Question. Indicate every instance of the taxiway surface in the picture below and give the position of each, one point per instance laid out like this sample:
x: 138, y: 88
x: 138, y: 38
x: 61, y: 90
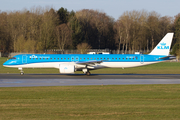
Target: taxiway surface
x: 16, y: 80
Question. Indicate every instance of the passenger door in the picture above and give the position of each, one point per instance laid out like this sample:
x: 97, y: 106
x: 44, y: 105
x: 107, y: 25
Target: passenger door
x: 24, y: 59
x: 141, y: 59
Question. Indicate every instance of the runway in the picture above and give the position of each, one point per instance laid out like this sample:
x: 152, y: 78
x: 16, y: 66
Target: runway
x: 29, y: 80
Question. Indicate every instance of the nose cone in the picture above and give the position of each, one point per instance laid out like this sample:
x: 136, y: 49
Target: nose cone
x: 5, y: 64
x: 9, y: 63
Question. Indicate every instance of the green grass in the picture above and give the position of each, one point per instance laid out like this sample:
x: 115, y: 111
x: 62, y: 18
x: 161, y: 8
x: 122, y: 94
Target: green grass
x: 125, y: 102
x: 159, y: 68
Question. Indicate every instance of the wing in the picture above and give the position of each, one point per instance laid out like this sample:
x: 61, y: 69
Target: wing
x: 89, y: 63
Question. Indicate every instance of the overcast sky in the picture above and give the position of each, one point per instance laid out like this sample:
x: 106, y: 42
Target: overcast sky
x: 113, y: 8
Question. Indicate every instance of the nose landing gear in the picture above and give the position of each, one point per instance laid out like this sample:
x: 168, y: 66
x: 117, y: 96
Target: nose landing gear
x: 21, y: 71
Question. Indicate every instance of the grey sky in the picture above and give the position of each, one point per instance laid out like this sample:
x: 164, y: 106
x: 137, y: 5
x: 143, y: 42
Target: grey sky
x: 114, y: 8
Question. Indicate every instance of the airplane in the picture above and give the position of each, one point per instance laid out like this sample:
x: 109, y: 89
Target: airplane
x: 69, y: 63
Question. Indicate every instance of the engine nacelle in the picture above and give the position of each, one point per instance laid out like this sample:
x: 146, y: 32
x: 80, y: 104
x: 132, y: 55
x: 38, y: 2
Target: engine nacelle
x: 65, y: 68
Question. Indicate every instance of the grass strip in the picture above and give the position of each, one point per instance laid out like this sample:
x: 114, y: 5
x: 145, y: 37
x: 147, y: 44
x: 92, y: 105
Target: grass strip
x: 123, y: 102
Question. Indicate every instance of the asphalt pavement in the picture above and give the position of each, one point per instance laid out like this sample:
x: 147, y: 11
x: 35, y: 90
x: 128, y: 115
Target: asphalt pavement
x: 29, y: 80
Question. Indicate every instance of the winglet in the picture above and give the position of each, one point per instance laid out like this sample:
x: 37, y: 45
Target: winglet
x: 163, y: 46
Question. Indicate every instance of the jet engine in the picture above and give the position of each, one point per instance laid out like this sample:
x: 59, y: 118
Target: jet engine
x: 65, y: 68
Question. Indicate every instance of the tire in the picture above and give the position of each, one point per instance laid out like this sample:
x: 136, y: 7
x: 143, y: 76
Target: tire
x: 21, y: 73
x: 88, y: 73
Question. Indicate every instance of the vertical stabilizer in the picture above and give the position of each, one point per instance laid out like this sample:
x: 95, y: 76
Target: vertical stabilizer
x: 163, y: 46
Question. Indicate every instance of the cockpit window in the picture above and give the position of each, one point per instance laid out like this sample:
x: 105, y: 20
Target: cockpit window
x: 13, y: 58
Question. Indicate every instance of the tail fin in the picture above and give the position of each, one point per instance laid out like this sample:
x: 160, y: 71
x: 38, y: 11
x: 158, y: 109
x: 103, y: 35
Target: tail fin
x: 163, y: 46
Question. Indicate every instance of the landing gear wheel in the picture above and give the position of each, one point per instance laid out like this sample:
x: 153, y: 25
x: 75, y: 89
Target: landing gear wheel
x: 21, y: 73
x: 88, y: 73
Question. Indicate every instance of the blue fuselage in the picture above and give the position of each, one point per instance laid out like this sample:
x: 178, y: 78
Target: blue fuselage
x: 48, y: 58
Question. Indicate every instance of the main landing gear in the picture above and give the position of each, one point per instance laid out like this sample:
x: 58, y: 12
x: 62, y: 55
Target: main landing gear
x: 21, y: 71
x: 86, y: 71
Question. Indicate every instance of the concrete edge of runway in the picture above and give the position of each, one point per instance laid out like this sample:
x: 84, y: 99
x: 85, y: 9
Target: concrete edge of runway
x: 92, y: 76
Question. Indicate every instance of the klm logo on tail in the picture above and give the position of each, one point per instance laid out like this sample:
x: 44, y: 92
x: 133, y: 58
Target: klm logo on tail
x: 163, y: 46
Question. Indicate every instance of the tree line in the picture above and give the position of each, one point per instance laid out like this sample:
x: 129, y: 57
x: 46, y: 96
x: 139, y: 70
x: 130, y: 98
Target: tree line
x: 39, y: 29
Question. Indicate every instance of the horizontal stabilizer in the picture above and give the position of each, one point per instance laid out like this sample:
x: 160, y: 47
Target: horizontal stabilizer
x: 168, y: 58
